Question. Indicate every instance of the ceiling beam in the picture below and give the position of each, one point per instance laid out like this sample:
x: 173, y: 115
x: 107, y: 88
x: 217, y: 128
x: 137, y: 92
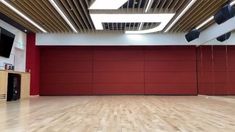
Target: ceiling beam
x: 215, y: 31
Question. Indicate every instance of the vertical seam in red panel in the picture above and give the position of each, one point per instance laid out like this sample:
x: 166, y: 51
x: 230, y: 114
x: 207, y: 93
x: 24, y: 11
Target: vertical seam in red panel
x: 33, y: 63
x: 196, y: 52
x: 227, y: 76
x: 213, y: 71
x: 144, y: 69
x: 201, y: 65
x: 92, y: 71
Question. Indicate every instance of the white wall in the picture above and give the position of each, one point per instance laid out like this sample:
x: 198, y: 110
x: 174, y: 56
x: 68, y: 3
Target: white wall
x: 120, y: 40
x: 18, y: 55
x: 113, y: 39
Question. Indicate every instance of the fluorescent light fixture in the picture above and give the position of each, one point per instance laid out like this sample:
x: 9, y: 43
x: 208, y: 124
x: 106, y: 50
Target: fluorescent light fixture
x: 180, y: 15
x: 22, y: 15
x: 148, y: 6
x: 163, y: 19
x: 205, y: 22
x: 141, y: 25
x: 232, y: 3
x: 63, y: 15
x: 107, y: 4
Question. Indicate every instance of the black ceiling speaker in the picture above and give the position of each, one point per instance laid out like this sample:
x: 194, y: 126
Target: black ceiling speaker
x: 194, y: 34
x: 224, y: 37
x: 224, y: 14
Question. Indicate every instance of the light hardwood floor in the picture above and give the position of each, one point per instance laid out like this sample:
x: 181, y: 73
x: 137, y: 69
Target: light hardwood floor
x: 119, y: 114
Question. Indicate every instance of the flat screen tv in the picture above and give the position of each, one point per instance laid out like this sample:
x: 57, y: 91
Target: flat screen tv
x: 6, y: 42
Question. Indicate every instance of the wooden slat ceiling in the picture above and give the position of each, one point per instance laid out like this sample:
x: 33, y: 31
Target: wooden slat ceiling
x: 44, y: 14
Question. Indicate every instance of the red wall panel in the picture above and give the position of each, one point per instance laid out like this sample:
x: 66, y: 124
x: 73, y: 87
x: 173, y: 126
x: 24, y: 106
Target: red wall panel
x: 170, y: 66
x: 66, y: 71
x: 118, y: 88
x: 171, y: 88
x: 170, y: 77
x: 118, y: 53
x: 33, y: 63
x: 118, y: 66
x: 170, y: 53
x: 118, y: 70
x: 215, y: 70
x: 170, y: 70
x: 61, y: 89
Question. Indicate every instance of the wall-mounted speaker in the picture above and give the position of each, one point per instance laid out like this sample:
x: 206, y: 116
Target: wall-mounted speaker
x: 194, y: 34
x: 224, y: 37
x: 224, y: 14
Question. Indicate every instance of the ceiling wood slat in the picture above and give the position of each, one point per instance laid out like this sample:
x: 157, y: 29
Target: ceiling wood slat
x: 156, y: 6
x: 57, y: 16
x: 179, y: 4
x: 205, y: 14
x: 199, y: 12
x: 168, y: 4
x: 173, y: 5
x: 17, y: 18
x: 180, y: 23
x: 44, y: 14
x: 50, y: 17
x: 84, y: 8
x: 71, y: 8
x: 22, y: 8
x: 40, y: 15
x: 74, y: 20
x: 162, y: 4
x: 35, y: 15
x: 79, y: 13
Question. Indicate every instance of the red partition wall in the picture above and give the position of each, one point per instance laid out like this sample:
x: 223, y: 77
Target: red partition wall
x: 170, y: 70
x: 33, y: 63
x: 118, y: 70
x: 216, y: 70
x: 66, y: 71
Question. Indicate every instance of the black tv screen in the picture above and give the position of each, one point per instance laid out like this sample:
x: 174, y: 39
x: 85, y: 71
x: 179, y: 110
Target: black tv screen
x: 6, y: 42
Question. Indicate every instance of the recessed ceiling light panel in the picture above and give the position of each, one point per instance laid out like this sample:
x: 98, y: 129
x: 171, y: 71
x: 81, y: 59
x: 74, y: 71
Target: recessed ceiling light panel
x: 163, y: 19
x: 107, y: 4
